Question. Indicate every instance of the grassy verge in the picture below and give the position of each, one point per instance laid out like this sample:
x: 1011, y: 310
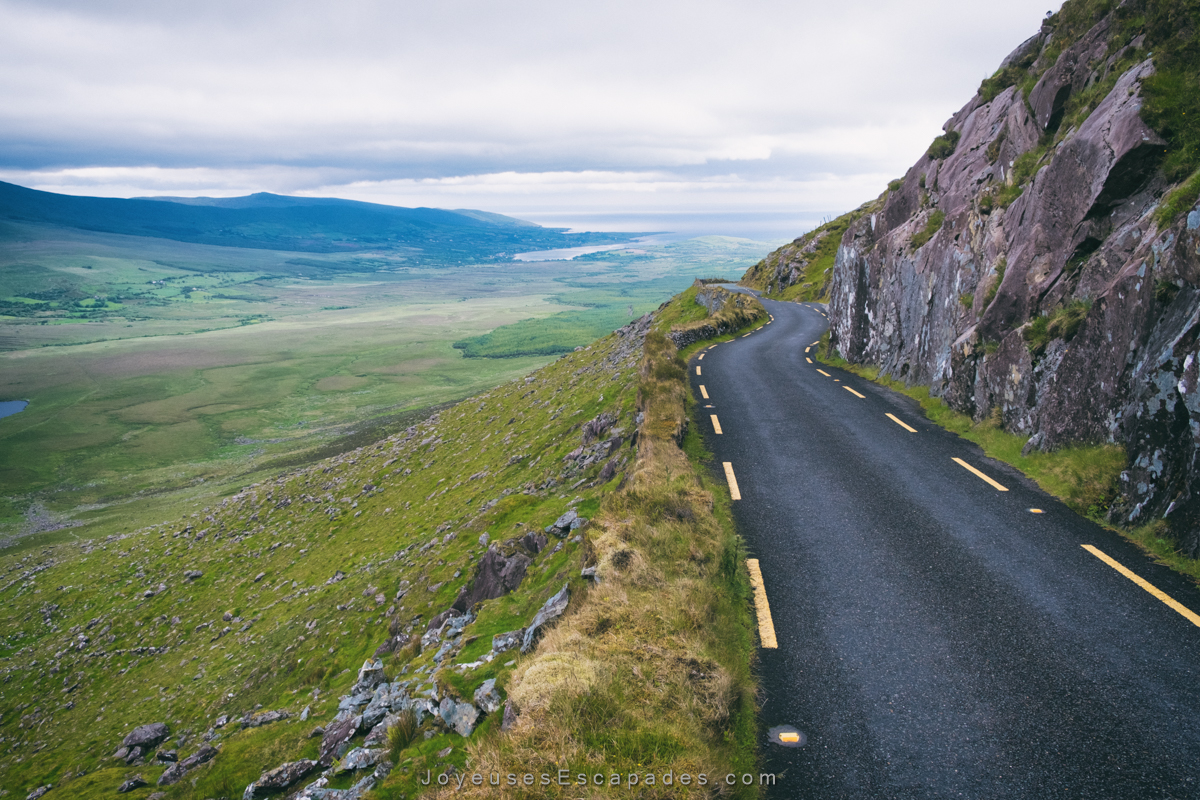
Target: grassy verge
x: 1082, y: 476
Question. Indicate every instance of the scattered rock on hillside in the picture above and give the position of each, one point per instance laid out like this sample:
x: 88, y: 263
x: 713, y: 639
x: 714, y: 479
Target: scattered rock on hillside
x: 176, y: 771
x: 460, y: 716
x: 279, y: 778
x: 553, y: 608
x: 193, y: 574
x: 487, y: 697
x: 146, y: 736
x: 337, y: 734
x: 534, y: 542
x: 507, y: 641
x: 358, y: 758
x: 136, y: 782
x: 497, y: 576
x: 38, y: 792
x: 265, y: 718
x: 510, y: 717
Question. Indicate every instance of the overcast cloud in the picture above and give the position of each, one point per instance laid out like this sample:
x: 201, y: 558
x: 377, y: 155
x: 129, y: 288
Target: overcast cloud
x: 589, y: 114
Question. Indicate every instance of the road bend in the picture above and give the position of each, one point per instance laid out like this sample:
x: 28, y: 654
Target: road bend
x: 943, y: 627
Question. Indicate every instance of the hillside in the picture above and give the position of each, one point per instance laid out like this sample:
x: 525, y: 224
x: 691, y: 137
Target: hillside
x: 315, y: 225
x: 1039, y: 265
x: 534, y: 579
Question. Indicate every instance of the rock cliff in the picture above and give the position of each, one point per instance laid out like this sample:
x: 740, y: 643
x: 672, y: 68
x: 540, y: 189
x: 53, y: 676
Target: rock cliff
x: 1026, y: 264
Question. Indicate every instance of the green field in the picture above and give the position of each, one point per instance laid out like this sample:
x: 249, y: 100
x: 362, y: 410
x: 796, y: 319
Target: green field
x: 161, y: 373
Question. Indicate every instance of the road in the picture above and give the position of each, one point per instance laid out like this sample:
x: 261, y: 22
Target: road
x: 937, y: 637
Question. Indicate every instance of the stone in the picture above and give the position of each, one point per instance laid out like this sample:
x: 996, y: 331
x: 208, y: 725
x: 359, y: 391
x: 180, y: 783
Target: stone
x: 358, y: 758
x: 371, y: 674
x: 510, y: 717
x: 136, y: 782
x: 134, y: 754
x: 38, y: 792
x: 146, y: 736
x: 193, y: 574
x: 283, y: 776
x: 304, y: 714
x: 487, y: 697
x: 496, y: 576
x: 551, y: 610
x: 265, y: 718
x: 458, y: 716
x: 167, y: 756
x: 122, y: 753
x: 176, y: 771
x: 172, y: 774
x: 564, y: 522
x: 337, y: 734
x: 534, y: 542
x: 378, y: 735
x: 484, y: 539
x: 259, y: 576
x: 507, y: 641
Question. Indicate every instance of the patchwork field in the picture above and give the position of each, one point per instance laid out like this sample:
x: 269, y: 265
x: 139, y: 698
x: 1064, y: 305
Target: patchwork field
x: 162, y: 373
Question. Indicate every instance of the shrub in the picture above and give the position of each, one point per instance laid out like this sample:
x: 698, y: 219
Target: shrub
x: 895, y: 185
x: 991, y: 346
x: 943, y: 146
x: 967, y: 299
x: 1061, y: 323
x: 1164, y: 292
x: 402, y: 733
x: 932, y: 226
x: 1178, y: 200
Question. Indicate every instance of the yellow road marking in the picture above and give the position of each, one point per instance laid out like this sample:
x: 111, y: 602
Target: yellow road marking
x: 979, y: 474
x: 716, y: 424
x: 766, y: 628
x: 744, y: 335
x: 729, y: 476
x: 703, y: 392
x: 823, y: 372
x: 809, y: 360
x: 856, y: 394
x: 814, y: 344
x: 1036, y: 511
x: 701, y: 357
x: 697, y: 369
x: 898, y: 421
x: 808, y: 348
x: 1188, y: 614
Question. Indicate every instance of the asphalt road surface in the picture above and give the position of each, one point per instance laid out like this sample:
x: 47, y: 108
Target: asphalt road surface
x: 936, y: 636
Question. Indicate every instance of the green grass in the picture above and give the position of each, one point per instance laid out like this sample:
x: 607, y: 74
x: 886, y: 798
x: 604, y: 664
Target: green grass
x: 943, y: 146
x: 1180, y: 199
x: 1061, y: 323
x: 932, y: 226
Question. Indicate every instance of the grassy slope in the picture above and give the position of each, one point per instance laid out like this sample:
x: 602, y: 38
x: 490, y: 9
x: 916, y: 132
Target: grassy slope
x: 650, y: 669
x: 811, y: 256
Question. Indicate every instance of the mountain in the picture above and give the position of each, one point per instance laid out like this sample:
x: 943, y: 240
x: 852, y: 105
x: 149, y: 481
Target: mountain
x: 1040, y: 263
x: 274, y: 222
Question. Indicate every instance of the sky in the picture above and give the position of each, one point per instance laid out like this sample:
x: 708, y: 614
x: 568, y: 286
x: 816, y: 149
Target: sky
x: 755, y: 118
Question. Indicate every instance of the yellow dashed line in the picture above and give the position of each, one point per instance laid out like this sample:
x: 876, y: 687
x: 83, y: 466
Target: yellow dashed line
x: 766, y: 628
x: 716, y: 424
x: 701, y: 358
x: 734, y: 493
x: 899, y: 422
x: 697, y: 369
x: 823, y: 372
x: 1188, y: 614
x: 979, y: 474
x: 703, y: 392
x: 809, y: 360
x: 808, y: 348
x: 856, y: 394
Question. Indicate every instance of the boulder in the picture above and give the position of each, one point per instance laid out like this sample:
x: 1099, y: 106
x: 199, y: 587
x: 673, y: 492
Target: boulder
x: 371, y: 674
x: 265, y: 718
x: 358, y: 758
x: 534, y: 542
x: 487, y: 697
x: 136, y: 782
x: 496, y: 576
x: 507, y: 641
x: 146, y: 736
x: 510, y: 717
x: 459, y: 716
x: 338, y: 732
x: 167, y: 756
x: 552, y: 609
x: 281, y: 777
x: 38, y: 792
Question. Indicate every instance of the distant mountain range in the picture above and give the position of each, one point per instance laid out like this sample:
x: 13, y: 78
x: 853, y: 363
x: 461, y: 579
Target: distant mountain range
x: 315, y: 225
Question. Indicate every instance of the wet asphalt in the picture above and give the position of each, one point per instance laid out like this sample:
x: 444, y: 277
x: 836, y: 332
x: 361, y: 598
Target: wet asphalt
x: 936, y: 638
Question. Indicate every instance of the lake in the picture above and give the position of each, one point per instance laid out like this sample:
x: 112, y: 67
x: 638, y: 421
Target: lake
x: 10, y: 407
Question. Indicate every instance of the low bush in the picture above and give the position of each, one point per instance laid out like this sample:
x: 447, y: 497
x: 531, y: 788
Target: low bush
x: 943, y: 146
x: 932, y: 226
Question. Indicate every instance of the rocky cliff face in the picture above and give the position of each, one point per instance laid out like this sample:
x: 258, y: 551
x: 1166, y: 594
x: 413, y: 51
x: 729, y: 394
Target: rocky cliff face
x: 1019, y: 266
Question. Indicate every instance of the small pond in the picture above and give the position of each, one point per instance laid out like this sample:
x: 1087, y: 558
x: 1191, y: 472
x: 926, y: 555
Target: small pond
x: 10, y: 407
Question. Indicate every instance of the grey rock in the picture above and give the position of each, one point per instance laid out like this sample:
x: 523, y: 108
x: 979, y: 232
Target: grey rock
x: 134, y: 754
x: 459, y: 716
x: 589, y: 572
x: 146, y: 736
x: 336, y: 735
x: 487, y: 697
x: 122, y: 753
x: 484, y: 539
x: 534, y: 542
x: 282, y: 777
x: 358, y: 758
x: 507, y: 641
x: 304, y: 714
x: 510, y: 717
x: 1034, y: 443
x: 371, y: 674
x: 193, y: 574
x: 172, y: 774
x: 378, y: 735
x: 564, y: 522
x: 551, y: 610
x: 136, y: 782
x: 38, y: 792
x: 166, y: 756
x: 496, y: 576
x: 265, y: 718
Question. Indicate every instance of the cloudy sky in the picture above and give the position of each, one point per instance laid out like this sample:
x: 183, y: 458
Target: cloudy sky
x: 752, y: 117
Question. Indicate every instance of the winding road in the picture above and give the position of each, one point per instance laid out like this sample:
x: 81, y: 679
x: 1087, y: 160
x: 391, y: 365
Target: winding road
x: 944, y: 628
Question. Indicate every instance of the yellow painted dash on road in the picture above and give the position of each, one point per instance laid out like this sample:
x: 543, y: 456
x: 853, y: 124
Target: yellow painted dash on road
x: 716, y: 424
x: 744, y: 335
x: 703, y: 392
x: 979, y: 474
x: 856, y: 394
x: 901, y: 423
x: 808, y: 348
x: 766, y: 628
x: 809, y: 360
x: 734, y: 493
x: 1187, y: 613
x: 701, y: 358
x: 697, y: 369
x: 823, y: 372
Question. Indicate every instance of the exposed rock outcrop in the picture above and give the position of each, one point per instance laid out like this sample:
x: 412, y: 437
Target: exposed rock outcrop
x: 942, y: 281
